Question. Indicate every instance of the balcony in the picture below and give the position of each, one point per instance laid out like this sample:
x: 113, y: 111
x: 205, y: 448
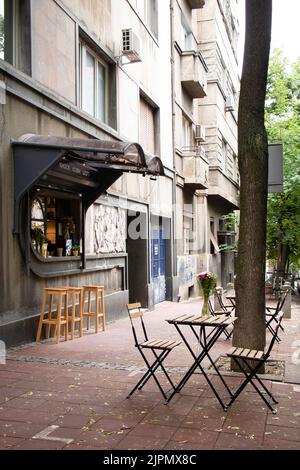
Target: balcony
x: 195, y: 168
x: 193, y: 74
x: 196, y: 3
x: 222, y: 189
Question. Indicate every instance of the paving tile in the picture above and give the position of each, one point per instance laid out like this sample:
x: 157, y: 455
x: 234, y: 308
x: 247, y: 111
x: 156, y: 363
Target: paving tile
x: 127, y: 416
x: 279, y: 444
x: 80, y: 447
x: 27, y: 416
x: 244, y: 423
x: 26, y: 403
x: 153, y: 430
x: 9, y: 442
x: 98, y: 439
x: 39, y: 444
x: 207, y: 439
x: 282, y: 420
x: 167, y: 418
x: 137, y: 442
x: 66, y: 432
x: 282, y: 432
x: 203, y: 422
x: 74, y: 421
x: 228, y: 441
x: 184, y: 445
x: 19, y: 429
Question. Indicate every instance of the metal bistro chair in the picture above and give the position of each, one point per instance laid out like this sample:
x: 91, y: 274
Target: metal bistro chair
x: 227, y: 309
x: 160, y: 349
x: 242, y: 357
x: 215, y: 313
x: 272, y: 315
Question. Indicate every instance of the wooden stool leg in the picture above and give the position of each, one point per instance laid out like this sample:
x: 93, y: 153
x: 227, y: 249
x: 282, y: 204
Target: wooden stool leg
x: 89, y: 310
x: 58, y: 318
x: 96, y: 310
x: 39, y: 331
x: 49, y: 316
x: 103, y: 309
x: 73, y: 315
x: 66, y: 316
x: 80, y: 313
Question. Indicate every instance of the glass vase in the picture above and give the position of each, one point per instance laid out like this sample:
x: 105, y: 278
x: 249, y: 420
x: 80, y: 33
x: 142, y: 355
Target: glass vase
x: 205, y: 309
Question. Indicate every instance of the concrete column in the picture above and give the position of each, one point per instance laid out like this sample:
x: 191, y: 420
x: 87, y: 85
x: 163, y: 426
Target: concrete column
x: 287, y: 309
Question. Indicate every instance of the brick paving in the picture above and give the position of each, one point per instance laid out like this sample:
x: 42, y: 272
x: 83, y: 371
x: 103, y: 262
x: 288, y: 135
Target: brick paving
x: 80, y: 387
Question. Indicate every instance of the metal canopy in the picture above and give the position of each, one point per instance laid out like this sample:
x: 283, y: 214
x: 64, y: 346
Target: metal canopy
x: 85, y: 166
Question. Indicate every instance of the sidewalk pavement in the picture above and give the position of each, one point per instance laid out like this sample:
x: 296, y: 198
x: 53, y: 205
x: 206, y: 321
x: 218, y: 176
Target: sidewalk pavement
x: 73, y: 395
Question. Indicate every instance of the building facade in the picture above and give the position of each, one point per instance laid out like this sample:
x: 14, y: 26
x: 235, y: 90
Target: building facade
x: 118, y: 150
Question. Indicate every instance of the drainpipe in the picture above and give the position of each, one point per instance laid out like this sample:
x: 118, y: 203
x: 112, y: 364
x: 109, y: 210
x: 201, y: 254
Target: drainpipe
x: 174, y: 267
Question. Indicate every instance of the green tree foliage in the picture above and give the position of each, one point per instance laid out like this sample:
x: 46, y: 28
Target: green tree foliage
x: 283, y: 124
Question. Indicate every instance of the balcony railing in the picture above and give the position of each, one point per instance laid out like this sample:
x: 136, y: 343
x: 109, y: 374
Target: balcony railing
x: 193, y: 74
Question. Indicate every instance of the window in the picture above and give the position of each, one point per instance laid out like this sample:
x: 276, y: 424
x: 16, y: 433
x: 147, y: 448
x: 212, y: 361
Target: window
x: 15, y: 33
x: 147, y: 126
x: 94, y: 75
x: 186, y: 134
x: 186, y: 35
x: 148, y: 11
x: 55, y: 223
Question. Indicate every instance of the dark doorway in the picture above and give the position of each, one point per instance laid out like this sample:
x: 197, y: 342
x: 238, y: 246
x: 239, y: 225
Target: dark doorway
x: 137, y: 249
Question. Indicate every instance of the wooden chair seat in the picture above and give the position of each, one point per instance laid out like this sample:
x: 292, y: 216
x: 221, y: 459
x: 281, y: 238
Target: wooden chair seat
x: 165, y: 344
x: 246, y: 353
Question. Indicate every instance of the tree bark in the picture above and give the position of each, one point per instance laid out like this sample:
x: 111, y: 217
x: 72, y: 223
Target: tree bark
x: 249, y: 329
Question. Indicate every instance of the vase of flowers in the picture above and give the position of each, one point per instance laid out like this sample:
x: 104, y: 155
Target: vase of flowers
x: 207, y: 281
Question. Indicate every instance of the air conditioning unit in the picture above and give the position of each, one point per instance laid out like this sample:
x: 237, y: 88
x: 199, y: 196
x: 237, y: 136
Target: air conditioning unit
x: 200, y: 133
x: 229, y: 104
x: 130, y: 45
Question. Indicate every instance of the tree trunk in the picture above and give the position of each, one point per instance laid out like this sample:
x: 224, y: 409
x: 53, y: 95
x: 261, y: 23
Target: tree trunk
x: 249, y: 330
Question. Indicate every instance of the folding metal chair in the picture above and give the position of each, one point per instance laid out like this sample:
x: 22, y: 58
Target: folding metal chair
x: 215, y: 313
x: 226, y: 308
x: 242, y: 357
x: 160, y: 349
x: 272, y: 315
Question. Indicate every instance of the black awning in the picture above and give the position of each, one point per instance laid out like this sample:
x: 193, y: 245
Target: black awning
x: 85, y: 166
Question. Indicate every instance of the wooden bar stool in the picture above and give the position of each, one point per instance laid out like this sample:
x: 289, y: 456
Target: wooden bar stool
x: 74, y: 293
x: 98, y: 293
x: 61, y: 317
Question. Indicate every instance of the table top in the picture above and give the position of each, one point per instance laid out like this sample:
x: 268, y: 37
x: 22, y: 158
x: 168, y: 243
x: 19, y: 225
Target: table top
x: 215, y: 321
